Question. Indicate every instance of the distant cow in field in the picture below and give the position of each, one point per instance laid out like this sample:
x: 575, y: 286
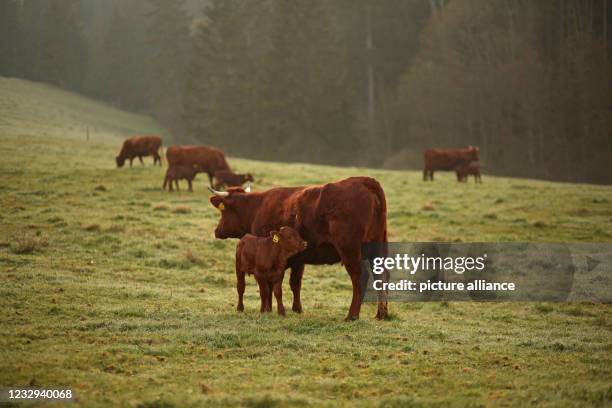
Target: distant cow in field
x: 448, y: 159
x: 140, y: 146
x: 471, y: 169
x: 334, y: 218
x: 209, y: 159
x: 227, y: 178
x: 180, y: 172
x: 266, y: 258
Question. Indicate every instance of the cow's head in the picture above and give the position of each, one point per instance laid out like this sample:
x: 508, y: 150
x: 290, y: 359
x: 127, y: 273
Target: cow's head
x: 120, y: 161
x: 235, y: 210
x: 289, y: 239
x: 474, y: 153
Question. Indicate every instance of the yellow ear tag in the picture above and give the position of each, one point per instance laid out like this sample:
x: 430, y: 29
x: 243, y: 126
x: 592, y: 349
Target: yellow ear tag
x: 275, y: 238
x: 221, y: 207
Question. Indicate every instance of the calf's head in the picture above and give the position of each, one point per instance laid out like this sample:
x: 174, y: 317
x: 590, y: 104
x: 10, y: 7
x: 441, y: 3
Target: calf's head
x: 120, y: 161
x: 236, y: 212
x: 289, y: 239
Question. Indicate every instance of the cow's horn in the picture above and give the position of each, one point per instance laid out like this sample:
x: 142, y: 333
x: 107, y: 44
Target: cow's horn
x: 218, y: 193
x: 248, y: 188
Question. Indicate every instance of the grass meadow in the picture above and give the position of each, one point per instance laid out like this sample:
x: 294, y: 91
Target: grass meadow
x: 119, y: 290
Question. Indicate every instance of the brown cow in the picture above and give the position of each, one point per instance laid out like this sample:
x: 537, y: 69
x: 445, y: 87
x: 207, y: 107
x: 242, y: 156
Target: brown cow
x: 335, y: 219
x: 266, y: 259
x: 180, y: 172
x: 448, y: 159
x: 210, y: 159
x: 471, y: 169
x: 139, y: 146
x: 228, y: 178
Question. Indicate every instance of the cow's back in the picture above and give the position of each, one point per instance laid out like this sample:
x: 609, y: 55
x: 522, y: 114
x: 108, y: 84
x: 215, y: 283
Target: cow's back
x: 445, y: 159
x: 208, y: 158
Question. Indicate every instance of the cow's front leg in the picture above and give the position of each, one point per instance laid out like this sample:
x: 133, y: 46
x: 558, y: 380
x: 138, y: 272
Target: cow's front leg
x: 141, y: 162
x: 131, y: 160
x: 295, y: 281
x: 190, y: 185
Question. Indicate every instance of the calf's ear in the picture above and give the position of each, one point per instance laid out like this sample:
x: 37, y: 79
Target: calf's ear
x: 275, y: 236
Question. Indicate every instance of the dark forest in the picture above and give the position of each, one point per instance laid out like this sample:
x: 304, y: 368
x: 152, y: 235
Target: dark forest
x: 345, y: 82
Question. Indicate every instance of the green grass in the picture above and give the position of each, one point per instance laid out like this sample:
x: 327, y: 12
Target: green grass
x: 119, y: 290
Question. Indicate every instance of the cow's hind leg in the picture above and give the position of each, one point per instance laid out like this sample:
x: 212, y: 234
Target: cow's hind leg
x: 351, y: 258
x: 295, y: 281
x: 141, y: 162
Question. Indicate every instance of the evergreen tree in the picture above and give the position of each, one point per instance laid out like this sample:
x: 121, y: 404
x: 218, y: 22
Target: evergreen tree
x: 62, y: 44
x: 304, y: 91
x: 9, y: 31
x: 227, y: 50
x: 168, y: 34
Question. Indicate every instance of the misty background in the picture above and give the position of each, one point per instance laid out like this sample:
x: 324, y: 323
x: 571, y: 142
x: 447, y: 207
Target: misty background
x: 345, y: 82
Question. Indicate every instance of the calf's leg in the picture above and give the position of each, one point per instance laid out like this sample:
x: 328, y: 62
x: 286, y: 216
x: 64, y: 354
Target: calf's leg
x: 141, y: 162
x: 278, y: 294
x: 240, y: 289
x: 190, y: 186
x: 264, y: 294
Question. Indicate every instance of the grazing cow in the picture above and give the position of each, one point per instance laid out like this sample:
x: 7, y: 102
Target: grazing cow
x: 180, y: 172
x: 470, y: 169
x: 335, y: 219
x: 228, y: 178
x: 448, y: 159
x: 139, y: 146
x: 210, y: 159
x: 266, y: 259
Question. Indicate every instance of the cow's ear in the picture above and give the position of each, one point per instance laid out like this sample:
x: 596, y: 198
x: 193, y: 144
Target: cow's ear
x: 218, y: 202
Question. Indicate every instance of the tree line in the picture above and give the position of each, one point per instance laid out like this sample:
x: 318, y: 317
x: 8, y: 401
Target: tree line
x: 348, y: 82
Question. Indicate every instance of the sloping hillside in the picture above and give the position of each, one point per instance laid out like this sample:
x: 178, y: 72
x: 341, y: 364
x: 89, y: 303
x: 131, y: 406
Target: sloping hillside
x: 37, y: 109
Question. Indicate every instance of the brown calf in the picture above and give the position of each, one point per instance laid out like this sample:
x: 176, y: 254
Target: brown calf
x: 266, y: 258
x: 471, y: 169
x: 448, y: 159
x: 140, y: 146
x: 227, y: 178
x: 180, y: 172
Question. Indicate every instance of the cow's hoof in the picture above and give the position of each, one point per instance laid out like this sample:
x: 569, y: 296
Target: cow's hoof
x: 382, y: 314
x: 240, y: 308
x: 282, y: 312
x: 297, y: 308
x: 350, y: 318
